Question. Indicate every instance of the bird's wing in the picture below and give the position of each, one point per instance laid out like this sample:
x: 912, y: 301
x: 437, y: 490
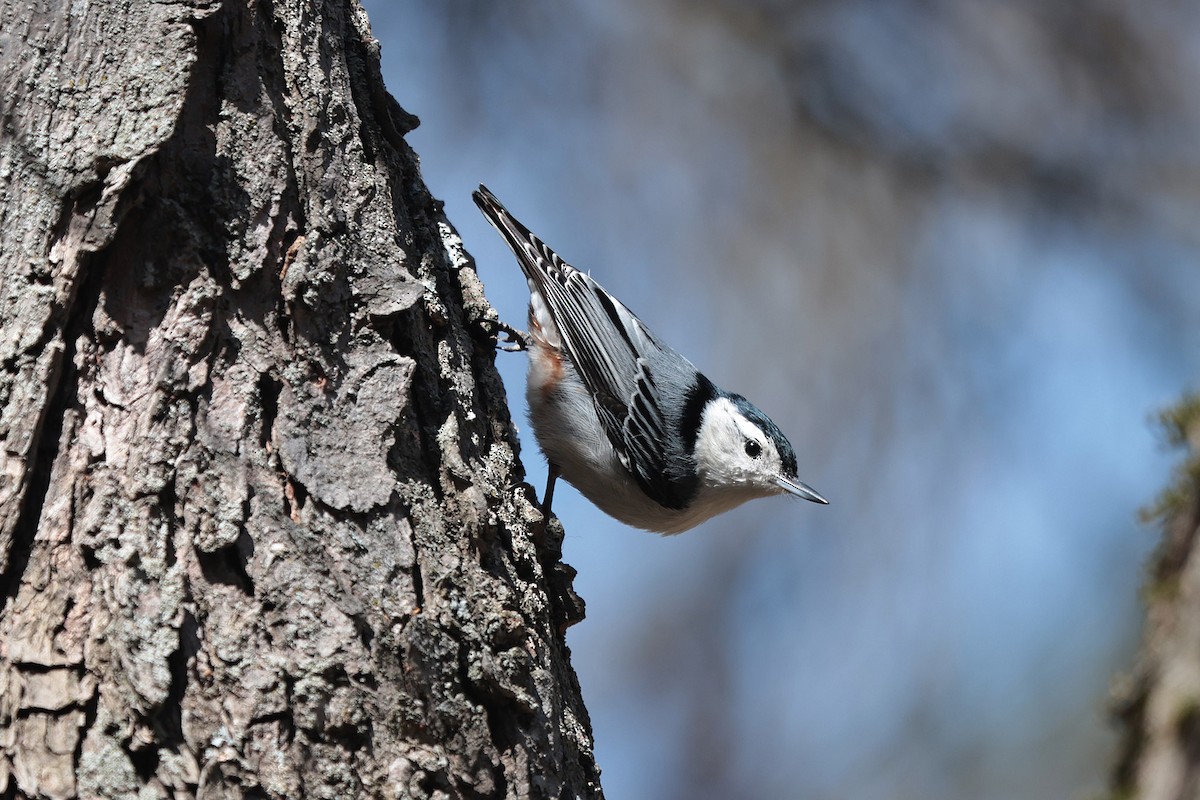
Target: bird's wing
x: 621, y: 361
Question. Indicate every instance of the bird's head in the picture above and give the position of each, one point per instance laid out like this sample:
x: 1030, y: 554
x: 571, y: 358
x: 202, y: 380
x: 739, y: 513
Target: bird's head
x: 739, y: 449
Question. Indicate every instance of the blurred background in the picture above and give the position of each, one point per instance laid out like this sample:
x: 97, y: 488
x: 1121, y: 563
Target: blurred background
x: 951, y: 247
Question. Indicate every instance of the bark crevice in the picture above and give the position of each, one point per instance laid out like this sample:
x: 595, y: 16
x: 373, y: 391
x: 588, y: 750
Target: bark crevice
x: 66, y: 323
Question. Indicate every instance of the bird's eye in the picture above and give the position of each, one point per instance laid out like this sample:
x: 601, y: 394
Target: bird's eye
x: 753, y: 448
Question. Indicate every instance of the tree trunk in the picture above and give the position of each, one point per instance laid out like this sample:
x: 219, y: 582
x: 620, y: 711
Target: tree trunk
x: 1158, y: 705
x: 262, y: 525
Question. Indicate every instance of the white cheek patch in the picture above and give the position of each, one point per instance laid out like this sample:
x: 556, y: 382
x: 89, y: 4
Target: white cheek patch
x: 718, y: 426
x: 720, y: 443
x: 724, y: 465
x: 730, y: 431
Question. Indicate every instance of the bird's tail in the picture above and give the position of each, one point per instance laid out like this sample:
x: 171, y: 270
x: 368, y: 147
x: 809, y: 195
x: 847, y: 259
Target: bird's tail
x: 537, y: 260
x: 544, y: 270
x: 515, y: 234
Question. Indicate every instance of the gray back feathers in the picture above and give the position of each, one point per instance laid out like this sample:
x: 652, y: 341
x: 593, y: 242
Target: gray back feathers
x: 629, y: 371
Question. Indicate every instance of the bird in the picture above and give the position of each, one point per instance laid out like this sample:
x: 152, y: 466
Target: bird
x: 622, y: 416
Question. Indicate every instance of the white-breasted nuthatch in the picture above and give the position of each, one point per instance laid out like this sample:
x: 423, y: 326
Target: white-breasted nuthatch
x: 624, y: 418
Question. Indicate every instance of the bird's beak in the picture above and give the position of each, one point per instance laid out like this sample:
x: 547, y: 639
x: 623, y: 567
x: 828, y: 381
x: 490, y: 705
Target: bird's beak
x: 799, y: 489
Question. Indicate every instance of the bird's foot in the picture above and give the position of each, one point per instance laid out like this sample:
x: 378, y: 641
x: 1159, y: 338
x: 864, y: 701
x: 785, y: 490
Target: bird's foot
x: 514, y: 341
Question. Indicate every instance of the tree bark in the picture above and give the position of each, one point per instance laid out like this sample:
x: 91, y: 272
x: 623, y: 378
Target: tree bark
x: 1158, y: 704
x: 262, y: 524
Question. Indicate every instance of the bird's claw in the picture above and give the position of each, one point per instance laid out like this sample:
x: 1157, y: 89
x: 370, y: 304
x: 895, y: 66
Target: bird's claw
x: 514, y: 341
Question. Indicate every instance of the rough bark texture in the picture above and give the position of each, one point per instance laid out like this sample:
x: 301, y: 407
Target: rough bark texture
x: 1158, y: 705
x: 262, y: 525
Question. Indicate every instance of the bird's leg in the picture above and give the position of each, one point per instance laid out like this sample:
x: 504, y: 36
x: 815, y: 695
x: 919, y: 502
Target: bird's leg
x: 548, y: 497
